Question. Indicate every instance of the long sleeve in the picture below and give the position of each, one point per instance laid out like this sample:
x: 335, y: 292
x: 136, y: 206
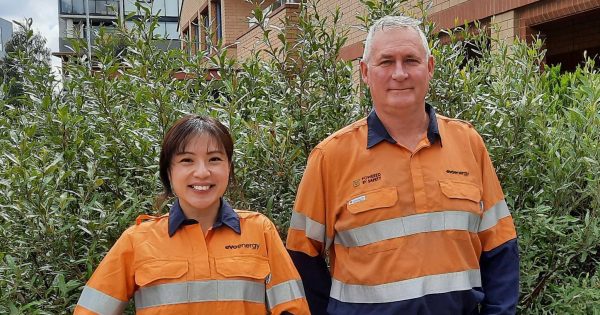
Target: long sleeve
x: 285, y: 293
x: 499, y: 262
x: 112, y: 285
x: 309, y: 236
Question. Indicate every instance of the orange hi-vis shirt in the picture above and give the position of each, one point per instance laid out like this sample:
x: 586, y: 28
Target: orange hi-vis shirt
x: 405, y: 231
x: 240, y: 267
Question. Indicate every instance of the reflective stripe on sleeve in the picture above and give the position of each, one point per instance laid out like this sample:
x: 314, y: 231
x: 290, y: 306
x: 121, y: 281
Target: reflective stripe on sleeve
x: 313, y: 229
x: 284, y: 292
x: 409, y: 225
x: 200, y: 291
x: 406, y: 289
x: 100, y: 302
x: 492, y: 215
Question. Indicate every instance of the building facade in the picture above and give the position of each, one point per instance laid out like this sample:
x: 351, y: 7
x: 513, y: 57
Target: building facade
x: 6, y: 31
x: 204, y: 23
x: 568, y: 27
x: 105, y: 13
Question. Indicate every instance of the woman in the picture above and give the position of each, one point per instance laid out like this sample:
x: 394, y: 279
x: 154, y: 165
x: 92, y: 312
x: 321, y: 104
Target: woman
x: 203, y: 257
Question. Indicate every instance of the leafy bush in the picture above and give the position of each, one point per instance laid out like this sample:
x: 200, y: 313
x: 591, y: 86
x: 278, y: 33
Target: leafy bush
x: 79, y: 163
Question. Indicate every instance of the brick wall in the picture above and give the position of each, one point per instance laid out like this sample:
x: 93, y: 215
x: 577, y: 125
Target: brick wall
x: 511, y: 17
x: 349, y: 10
x: 440, y: 5
x: 471, y: 10
x: 235, y: 19
x: 546, y: 11
x: 252, y: 41
x: 505, y: 26
x: 189, y: 11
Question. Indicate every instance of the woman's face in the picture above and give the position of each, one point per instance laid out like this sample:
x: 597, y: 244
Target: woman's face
x: 199, y: 175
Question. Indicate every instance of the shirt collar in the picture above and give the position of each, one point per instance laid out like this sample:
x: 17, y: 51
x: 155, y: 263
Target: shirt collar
x: 226, y: 216
x: 377, y: 132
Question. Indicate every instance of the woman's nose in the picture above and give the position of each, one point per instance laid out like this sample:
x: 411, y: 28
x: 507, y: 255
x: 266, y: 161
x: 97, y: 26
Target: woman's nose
x: 201, y: 170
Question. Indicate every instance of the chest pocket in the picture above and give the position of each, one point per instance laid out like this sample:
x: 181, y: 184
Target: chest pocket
x: 160, y: 271
x: 461, y: 195
x: 243, y: 266
x: 380, y: 198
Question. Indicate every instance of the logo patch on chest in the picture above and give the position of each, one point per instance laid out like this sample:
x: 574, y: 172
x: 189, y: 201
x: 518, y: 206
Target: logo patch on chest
x: 366, y: 179
x: 242, y: 245
x: 453, y: 172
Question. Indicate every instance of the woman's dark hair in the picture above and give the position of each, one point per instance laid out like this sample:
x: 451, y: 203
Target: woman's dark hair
x: 178, y: 137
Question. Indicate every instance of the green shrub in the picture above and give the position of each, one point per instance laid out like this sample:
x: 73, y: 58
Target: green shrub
x: 79, y: 163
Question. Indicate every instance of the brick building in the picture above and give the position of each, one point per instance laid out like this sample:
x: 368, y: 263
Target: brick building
x: 204, y: 22
x: 569, y: 27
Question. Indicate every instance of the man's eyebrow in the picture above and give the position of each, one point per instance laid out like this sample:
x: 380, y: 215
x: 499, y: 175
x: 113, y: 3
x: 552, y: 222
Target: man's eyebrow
x: 384, y: 56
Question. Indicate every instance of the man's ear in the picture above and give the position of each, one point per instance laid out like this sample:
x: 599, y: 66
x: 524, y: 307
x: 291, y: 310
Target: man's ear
x: 364, y: 69
x: 431, y: 66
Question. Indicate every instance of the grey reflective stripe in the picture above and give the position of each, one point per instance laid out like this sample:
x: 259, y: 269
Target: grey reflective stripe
x: 200, y: 291
x: 100, y: 302
x: 409, y: 225
x: 492, y: 215
x: 406, y: 289
x: 313, y: 229
x: 284, y: 292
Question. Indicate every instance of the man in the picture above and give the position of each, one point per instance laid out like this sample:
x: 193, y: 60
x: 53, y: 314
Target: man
x: 405, y: 203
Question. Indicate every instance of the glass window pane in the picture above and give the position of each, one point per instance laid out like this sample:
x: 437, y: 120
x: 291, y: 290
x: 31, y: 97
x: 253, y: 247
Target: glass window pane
x: 129, y: 25
x: 158, y: 5
x: 171, y: 28
x: 172, y: 7
x: 65, y: 6
x: 78, y: 7
x: 100, y: 7
x: 130, y: 6
x: 160, y: 30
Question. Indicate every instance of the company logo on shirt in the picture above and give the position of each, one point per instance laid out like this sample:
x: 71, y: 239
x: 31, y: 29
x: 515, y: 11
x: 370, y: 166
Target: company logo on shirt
x: 453, y: 172
x: 366, y: 179
x: 242, y: 245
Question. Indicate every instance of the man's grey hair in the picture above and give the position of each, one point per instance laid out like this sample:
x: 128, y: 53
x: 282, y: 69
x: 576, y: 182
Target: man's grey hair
x: 392, y: 22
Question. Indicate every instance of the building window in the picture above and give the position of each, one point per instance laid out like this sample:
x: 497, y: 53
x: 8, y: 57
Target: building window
x: 130, y: 6
x: 279, y: 3
x: 218, y: 20
x: 206, y: 43
x: 97, y: 7
x: 165, y: 7
x: 185, y: 35
x: 66, y: 6
x: 78, y: 7
x: 172, y: 7
x: 171, y: 30
x: 195, y: 36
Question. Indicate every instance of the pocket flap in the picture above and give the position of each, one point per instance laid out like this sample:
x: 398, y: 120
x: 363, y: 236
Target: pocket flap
x: 380, y: 198
x: 460, y: 190
x: 255, y: 267
x: 160, y: 269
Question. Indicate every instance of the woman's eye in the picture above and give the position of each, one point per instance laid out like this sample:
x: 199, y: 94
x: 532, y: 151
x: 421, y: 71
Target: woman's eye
x: 215, y: 159
x: 185, y: 160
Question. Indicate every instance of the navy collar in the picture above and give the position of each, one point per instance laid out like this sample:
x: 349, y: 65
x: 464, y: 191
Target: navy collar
x: 377, y: 132
x: 226, y: 216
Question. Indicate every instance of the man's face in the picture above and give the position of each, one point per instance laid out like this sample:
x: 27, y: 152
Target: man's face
x: 398, y: 71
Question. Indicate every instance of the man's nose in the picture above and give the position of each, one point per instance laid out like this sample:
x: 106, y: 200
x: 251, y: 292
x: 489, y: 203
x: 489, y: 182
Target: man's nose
x: 399, y: 72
